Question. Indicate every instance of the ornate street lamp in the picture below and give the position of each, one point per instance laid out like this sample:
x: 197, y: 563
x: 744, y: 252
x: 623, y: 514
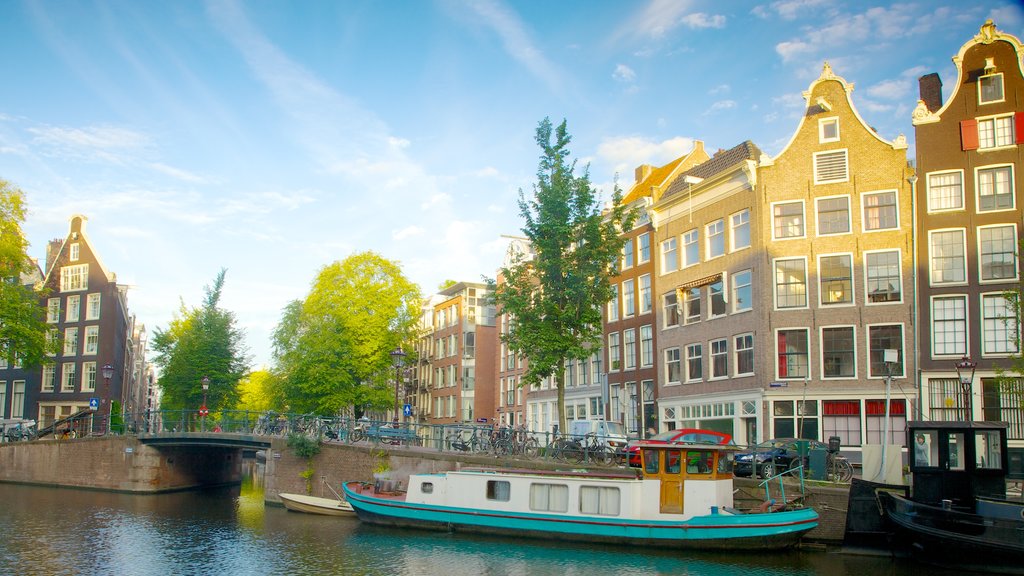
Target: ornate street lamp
x: 108, y: 373
x: 203, y: 410
x: 965, y: 371
x: 397, y: 358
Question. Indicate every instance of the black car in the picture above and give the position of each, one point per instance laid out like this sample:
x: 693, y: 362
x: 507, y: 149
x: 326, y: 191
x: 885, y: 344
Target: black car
x: 775, y: 456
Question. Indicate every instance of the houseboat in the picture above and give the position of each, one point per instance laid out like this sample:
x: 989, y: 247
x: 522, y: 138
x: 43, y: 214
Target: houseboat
x: 682, y: 497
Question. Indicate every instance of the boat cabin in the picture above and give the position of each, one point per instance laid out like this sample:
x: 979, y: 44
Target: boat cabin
x: 957, y: 462
x: 674, y: 464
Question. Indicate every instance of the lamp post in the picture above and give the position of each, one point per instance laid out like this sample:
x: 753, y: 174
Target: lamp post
x: 203, y: 410
x: 108, y: 373
x: 397, y: 358
x: 965, y: 372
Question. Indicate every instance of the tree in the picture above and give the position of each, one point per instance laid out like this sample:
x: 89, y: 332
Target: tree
x: 201, y: 342
x: 332, y: 350
x: 555, y: 298
x: 260, y: 391
x: 1011, y: 377
x: 22, y: 320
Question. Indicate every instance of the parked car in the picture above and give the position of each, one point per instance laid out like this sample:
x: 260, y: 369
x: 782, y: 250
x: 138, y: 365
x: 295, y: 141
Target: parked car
x: 681, y: 436
x: 774, y: 456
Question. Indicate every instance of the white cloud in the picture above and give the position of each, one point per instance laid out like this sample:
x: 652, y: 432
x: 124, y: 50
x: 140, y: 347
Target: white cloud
x: 437, y: 200
x: 792, y: 9
x: 720, y: 89
x: 627, y: 152
x: 702, y: 20
x: 657, y: 19
x: 624, y: 73
x: 720, y: 105
x: 407, y: 232
x: 1007, y: 17
x: 897, y: 88
x: 791, y: 49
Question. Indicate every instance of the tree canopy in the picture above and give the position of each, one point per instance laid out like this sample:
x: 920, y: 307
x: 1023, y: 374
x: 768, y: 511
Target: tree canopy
x: 555, y: 297
x: 201, y: 342
x: 332, y: 349
x: 22, y: 320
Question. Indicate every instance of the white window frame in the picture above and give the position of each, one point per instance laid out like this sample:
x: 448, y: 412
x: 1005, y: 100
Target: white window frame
x: 645, y: 293
x: 92, y: 306
x: 931, y: 205
x: 867, y: 275
x: 71, y: 341
x: 775, y: 284
x: 52, y: 310
x: 1014, y: 244
x: 713, y: 355
x: 1002, y: 88
x: 821, y: 351
x: 74, y: 252
x: 739, y: 220
x: 74, y: 278
x: 931, y: 271
x: 902, y: 349
x: 646, y: 346
x: 1011, y: 331
x: 822, y: 124
x: 803, y: 220
x: 996, y: 119
x: 673, y: 356
x: 641, y: 258
x: 614, y: 352
x: 92, y: 341
x: 736, y: 300
x: 49, y: 381
x: 73, y: 310
x: 712, y: 231
x: 864, y: 210
x: 88, y: 376
x: 666, y: 249
x: 665, y: 310
x: 68, y: 375
x: 977, y: 187
x: 628, y: 256
x: 736, y: 354
x: 845, y: 154
x: 629, y: 349
x: 690, y: 245
x: 613, y: 304
x: 629, y: 298
x: 807, y: 352
x: 699, y: 347
x: 852, y: 298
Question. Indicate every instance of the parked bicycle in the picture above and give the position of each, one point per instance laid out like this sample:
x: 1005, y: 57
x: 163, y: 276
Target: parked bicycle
x: 838, y: 468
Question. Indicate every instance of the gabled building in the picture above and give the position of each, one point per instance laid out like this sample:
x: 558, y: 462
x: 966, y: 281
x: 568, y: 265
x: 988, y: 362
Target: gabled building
x: 970, y: 207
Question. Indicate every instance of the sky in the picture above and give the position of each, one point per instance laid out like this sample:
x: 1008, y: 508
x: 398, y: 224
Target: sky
x: 272, y: 138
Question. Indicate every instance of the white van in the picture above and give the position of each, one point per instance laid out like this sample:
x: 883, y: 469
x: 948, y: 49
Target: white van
x: 611, y: 434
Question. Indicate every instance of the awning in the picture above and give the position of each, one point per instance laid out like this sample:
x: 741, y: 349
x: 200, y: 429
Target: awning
x: 700, y: 282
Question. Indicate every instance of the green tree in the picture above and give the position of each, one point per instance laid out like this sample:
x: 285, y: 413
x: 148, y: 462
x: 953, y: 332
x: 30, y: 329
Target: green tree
x: 260, y: 391
x: 555, y: 297
x: 22, y: 320
x: 1011, y: 377
x: 332, y: 350
x: 201, y: 342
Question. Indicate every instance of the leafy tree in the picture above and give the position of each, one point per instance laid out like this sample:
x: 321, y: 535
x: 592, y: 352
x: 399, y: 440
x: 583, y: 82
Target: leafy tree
x: 200, y: 342
x: 332, y: 350
x: 1011, y: 377
x: 260, y: 391
x: 22, y: 320
x: 555, y: 297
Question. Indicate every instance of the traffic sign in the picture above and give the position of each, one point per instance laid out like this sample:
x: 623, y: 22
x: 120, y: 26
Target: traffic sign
x: 94, y: 403
x: 407, y: 410
x: 203, y: 410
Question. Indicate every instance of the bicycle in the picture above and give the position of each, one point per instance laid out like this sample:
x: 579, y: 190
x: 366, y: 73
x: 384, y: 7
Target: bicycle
x: 838, y: 468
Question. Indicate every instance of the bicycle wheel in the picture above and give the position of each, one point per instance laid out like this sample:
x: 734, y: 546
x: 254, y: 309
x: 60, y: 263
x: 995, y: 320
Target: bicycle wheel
x: 573, y: 452
x: 844, y: 471
x: 531, y: 448
x: 356, y: 435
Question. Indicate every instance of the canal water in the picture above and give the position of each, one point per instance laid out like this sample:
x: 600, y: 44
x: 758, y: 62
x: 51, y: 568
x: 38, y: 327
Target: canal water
x: 229, y: 531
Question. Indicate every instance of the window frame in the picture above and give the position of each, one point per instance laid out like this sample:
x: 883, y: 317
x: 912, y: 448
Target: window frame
x: 932, y: 207
x: 780, y: 355
x: 984, y: 332
x: 715, y: 356
x: 688, y: 247
x: 669, y: 361
x: 901, y: 350
x: 996, y: 119
x: 737, y: 351
x: 674, y: 306
x: 694, y: 359
x: 802, y: 217
x: 846, y: 166
x: 735, y: 288
x: 715, y: 233
x: 643, y: 242
x: 864, y: 210
x: 868, y: 277
x: 645, y: 291
x: 959, y: 344
x: 775, y: 283
x: 665, y: 251
x: 1002, y: 88
x: 818, y: 212
x: 822, y: 124
x: 931, y: 257
x: 851, y: 298
x: 1013, y: 244
x: 977, y: 188
x: 852, y: 352
x: 734, y: 226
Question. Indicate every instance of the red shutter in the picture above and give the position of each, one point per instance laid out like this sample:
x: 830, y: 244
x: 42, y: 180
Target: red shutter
x: 1018, y: 126
x: 969, y: 134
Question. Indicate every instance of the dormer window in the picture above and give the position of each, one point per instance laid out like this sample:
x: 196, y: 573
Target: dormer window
x: 828, y: 130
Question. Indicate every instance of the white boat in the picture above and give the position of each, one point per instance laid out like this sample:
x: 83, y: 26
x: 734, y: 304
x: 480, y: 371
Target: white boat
x: 682, y: 498
x: 315, y: 505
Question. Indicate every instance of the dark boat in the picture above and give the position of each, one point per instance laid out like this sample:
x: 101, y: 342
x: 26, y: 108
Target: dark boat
x: 956, y: 513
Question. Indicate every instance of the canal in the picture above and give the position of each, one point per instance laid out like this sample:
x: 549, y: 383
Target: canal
x: 230, y: 531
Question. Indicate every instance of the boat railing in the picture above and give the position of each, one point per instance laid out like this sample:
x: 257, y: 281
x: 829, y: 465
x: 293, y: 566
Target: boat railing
x: 796, y: 471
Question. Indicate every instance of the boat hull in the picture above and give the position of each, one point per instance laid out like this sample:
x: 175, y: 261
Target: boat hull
x: 775, y: 530
x: 314, y: 505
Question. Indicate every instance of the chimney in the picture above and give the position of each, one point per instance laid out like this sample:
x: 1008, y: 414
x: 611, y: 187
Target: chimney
x: 643, y: 171
x: 51, y: 253
x: 930, y: 87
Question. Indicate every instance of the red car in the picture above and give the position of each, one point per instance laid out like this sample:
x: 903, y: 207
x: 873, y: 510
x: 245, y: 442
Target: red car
x: 681, y: 436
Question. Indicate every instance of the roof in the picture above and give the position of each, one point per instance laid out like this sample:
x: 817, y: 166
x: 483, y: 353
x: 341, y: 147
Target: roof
x: 723, y: 161
x: 654, y: 183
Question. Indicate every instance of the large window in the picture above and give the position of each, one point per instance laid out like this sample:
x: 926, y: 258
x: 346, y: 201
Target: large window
x: 691, y: 305
x: 549, y: 497
x: 947, y: 254
x: 788, y: 220
x: 669, y: 256
x: 627, y: 255
x: 880, y: 211
x: 882, y: 273
x: 833, y: 215
x: 613, y: 304
x: 694, y: 362
x: 716, y: 294
x: 841, y: 418
x: 691, y: 248
x: 997, y: 252
x: 995, y: 188
x: 599, y: 500
x: 74, y: 278
x: 880, y: 339
x: 828, y: 130
x: 949, y: 326
x: 68, y: 375
x: 744, y: 354
x: 49, y: 380
x: 945, y: 191
x: 92, y: 340
x: 791, y: 283
x: 628, y: 299
x: 53, y: 310
x: 995, y: 132
x: 830, y: 167
x: 875, y: 420
x: 74, y: 308
x: 716, y: 238
x: 990, y: 89
x: 838, y: 356
x: 740, y: 225
x: 646, y: 346
x: 614, y: 352
x: 999, y: 325
x: 500, y: 490
x: 88, y: 376
x: 673, y: 367
x: 792, y: 350
x: 70, y: 341
x: 629, y: 348
x: 92, y: 306
x: 644, y: 241
x: 836, y: 276
x: 742, y: 293
x: 645, y: 294
x: 719, y: 358
x: 670, y: 306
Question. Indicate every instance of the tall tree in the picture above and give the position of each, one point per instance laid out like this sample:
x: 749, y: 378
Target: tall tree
x: 22, y: 320
x: 332, y: 349
x: 555, y: 297
x: 201, y: 342
x: 259, y: 391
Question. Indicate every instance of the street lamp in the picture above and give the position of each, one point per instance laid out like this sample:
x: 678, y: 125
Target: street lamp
x: 203, y: 410
x: 108, y: 373
x: 397, y: 358
x: 965, y: 371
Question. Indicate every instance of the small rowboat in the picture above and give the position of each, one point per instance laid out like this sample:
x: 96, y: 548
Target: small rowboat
x: 314, y: 505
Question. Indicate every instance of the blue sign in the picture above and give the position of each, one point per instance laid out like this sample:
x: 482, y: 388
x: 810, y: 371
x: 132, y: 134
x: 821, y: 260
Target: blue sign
x: 407, y: 410
x: 778, y: 385
x: 94, y: 403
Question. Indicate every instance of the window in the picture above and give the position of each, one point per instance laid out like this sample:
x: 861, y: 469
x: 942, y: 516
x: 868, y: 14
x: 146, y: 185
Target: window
x: 842, y: 418
x: 627, y: 254
x: 74, y: 309
x: 830, y: 167
x: 67, y: 377
x: 644, y: 241
x: 716, y: 238
x: 833, y: 215
x: 499, y: 490
x: 791, y: 283
x: 469, y: 345
x: 990, y: 89
x: 836, y: 276
x: 613, y: 304
x: 691, y: 249
x: 788, y: 220
x: 645, y: 294
x: 671, y: 309
x: 691, y: 305
x: 880, y: 211
x: 646, y: 346
x: 599, y: 500
x: 74, y: 251
x: 18, y: 397
x: 92, y: 306
x: 999, y: 325
x: 628, y: 299
x: 875, y: 420
x: 614, y: 353
x: 52, y: 338
x: 49, y: 380
x: 997, y: 252
x: 995, y: 188
x: 88, y: 377
x: 882, y: 272
x: 673, y: 369
x: 549, y: 497
x: 995, y: 132
x: 53, y: 310
x: 740, y: 230
x: 744, y: 351
x: 838, y: 357
x: 787, y: 421
x: 694, y: 362
x: 945, y: 191
x: 828, y: 130
x: 880, y: 339
x: 669, y: 260
x: 948, y: 262
x: 719, y: 358
x: 70, y: 341
x: 716, y: 294
x: 629, y: 348
x: 92, y: 340
x: 792, y: 353
x: 74, y: 278
x: 742, y: 291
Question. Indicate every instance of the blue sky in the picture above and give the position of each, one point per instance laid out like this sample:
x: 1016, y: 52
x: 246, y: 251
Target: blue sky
x: 272, y: 138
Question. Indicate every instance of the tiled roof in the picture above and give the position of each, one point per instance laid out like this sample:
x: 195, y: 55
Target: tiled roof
x: 722, y: 161
x: 655, y: 178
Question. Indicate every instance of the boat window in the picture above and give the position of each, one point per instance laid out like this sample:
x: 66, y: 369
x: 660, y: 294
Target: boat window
x: 672, y: 459
x: 956, y: 451
x: 599, y: 500
x: 699, y: 462
x: 986, y: 449
x: 549, y: 497
x: 427, y: 488
x: 652, y: 461
x: 725, y: 462
x: 926, y: 449
x: 498, y: 490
